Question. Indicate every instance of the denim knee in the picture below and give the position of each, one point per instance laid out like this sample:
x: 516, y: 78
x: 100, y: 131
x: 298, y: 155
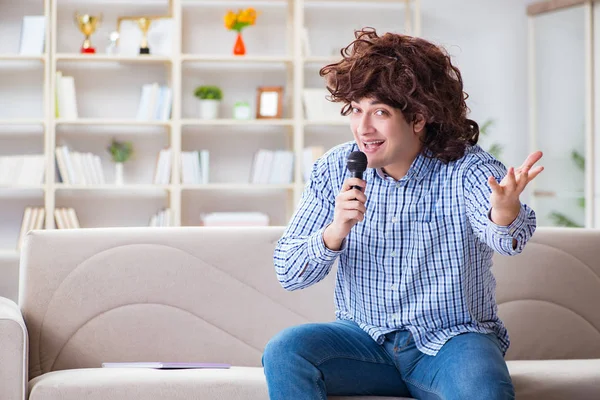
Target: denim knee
x: 284, y: 344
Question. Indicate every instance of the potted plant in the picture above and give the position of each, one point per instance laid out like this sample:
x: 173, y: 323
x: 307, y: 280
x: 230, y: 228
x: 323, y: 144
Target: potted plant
x: 210, y: 97
x: 120, y: 152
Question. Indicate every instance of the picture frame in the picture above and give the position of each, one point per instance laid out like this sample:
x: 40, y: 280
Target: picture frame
x: 269, y: 102
x: 160, y: 35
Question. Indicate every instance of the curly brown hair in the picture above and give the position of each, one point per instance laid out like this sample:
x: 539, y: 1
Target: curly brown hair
x: 409, y: 74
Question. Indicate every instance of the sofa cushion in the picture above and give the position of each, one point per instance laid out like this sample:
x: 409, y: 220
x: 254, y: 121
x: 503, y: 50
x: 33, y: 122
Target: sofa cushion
x: 548, y: 379
x: 556, y: 379
x: 237, y: 383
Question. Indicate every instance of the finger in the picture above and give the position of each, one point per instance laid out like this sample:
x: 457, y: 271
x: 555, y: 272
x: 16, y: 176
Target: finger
x: 354, y: 206
x: 496, y: 188
x: 532, y: 159
x: 352, y: 194
x: 352, y: 215
x: 511, y: 181
x: 535, y: 172
x: 523, y: 179
x: 348, y: 183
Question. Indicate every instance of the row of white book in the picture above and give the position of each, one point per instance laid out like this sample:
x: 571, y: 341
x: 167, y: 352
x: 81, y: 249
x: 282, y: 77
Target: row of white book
x: 22, y: 169
x: 155, y: 103
x: 77, y: 168
x: 162, y: 218
x: 162, y: 175
x: 66, y: 218
x: 33, y: 218
x: 272, y: 167
x: 194, y: 167
x: 66, y: 101
x: 277, y: 166
x: 309, y: 156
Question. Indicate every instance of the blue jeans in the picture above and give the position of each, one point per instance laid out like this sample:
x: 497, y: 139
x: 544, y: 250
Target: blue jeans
x: 312, y: 361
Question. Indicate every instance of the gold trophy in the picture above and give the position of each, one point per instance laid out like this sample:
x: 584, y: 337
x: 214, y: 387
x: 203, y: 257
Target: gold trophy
x: 87, y: 25
x: 144, y: 24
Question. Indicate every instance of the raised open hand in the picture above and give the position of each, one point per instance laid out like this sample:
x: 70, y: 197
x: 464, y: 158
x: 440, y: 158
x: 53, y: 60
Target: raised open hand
x: 505, y: 195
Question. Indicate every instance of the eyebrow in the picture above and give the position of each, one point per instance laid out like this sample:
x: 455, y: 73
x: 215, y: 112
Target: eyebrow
x: 373, y: 103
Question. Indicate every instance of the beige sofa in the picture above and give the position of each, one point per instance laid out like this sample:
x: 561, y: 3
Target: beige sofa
x: 210, y: 294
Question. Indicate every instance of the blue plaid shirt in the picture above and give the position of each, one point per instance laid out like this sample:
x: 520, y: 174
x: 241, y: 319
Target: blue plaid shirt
x: 421, y: 258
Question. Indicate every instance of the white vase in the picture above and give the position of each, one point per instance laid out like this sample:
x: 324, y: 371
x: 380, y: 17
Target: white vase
x: 209, y: 109
x: 119, y: 173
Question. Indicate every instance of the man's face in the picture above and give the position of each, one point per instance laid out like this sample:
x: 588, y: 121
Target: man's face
x: 383, y: 134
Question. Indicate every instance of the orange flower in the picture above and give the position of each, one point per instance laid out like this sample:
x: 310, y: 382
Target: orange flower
x: 241, y: 19
x: 230, y: 19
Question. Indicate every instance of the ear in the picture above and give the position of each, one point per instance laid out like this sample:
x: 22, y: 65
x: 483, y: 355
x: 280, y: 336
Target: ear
x: 418, y: 124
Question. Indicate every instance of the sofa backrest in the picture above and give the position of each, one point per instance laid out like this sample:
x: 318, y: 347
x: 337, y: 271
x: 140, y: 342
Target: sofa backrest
x: 210, y: 294
x: 194, y: 294
x: 549, y: 295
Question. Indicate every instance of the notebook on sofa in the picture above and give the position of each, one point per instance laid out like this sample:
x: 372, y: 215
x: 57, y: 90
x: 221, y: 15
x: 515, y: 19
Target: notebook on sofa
x: 163, y: 365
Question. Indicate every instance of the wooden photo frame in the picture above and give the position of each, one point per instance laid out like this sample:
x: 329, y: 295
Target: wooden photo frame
x: 269, y: 102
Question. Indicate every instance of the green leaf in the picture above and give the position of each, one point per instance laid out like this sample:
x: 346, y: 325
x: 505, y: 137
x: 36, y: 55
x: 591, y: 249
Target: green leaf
x: 562, y: 220
x: 483, y: 129
x: 578, y: 159
x: 208, y: 92
x: 120, y: 151
x: 495, y: 150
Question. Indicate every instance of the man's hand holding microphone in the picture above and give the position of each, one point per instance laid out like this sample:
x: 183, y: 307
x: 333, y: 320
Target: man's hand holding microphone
x: 349, y: 203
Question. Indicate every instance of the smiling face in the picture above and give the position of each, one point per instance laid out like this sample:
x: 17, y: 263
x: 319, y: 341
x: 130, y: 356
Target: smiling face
x: 384, y: 135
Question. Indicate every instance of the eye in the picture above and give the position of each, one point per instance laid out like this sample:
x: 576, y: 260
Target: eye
x: 355, y: 110
x: 381, y: 112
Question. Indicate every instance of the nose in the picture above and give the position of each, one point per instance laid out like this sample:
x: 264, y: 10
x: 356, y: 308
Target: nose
x: 364, y: 125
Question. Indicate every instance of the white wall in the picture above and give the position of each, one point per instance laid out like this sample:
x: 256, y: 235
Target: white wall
x: 488, y: 41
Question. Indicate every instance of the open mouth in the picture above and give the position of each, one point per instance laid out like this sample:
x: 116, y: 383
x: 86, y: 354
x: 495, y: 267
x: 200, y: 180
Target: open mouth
x: 372, y: 145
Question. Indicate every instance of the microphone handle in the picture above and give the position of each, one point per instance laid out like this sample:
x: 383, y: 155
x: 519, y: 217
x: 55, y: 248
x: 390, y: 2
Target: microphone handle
x: 356, y: 174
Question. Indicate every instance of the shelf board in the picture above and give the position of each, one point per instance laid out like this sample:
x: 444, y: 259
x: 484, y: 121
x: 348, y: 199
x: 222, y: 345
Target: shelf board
x: 237, y: 122
x: 357, y: 3
x: 21, y: 57
x: 238, y: 186
x: 119, y: 58
x: 235, y: 3
x: 327, y: 123
x: 235, y: 59
x: 9, y: 254
x: 22, y: 121
x: 21, y: 191
x: 108, y: 121
x: 558, y: 194
x: 322, y: 59
x: 149, y: 190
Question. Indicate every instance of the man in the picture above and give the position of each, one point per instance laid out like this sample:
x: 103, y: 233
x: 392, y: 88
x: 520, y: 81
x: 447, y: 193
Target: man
x: 416, y: 314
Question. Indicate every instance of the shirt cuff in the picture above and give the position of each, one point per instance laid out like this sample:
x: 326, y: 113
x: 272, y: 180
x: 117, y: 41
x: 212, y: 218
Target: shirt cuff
x: 317, y: 251
x: 506, y: 234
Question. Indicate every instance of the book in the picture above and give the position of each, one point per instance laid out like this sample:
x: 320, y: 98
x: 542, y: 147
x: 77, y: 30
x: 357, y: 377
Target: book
x: 165, y: 365
x: 33, y: 34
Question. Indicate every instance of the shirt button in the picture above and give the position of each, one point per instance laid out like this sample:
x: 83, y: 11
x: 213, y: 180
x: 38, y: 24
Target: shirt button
x: 398, y: 184
x: 394, y: 287
x: 394, y: 220
x: 393, y: 253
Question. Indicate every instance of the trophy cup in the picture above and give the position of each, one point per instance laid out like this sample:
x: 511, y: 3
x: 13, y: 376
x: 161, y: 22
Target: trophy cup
x: 144, y: 24
x: 87, y: 25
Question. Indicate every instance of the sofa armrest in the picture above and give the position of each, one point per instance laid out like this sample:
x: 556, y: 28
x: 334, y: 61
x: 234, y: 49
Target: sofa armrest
x: 13, y: 351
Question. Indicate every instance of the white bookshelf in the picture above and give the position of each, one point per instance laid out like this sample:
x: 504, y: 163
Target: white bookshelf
x: 108, y: 90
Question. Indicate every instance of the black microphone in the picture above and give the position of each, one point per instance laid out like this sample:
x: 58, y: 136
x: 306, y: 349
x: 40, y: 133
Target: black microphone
x: 356, y: 164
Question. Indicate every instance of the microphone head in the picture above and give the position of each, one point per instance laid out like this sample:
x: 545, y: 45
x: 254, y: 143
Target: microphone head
x: 357, y: 162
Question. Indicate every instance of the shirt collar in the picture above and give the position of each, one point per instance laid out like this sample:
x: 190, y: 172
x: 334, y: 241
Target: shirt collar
x: 419, y: 168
